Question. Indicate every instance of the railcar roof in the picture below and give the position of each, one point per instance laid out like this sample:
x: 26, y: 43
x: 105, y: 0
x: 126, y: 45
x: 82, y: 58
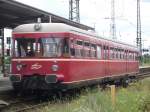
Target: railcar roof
x: 61, y: 27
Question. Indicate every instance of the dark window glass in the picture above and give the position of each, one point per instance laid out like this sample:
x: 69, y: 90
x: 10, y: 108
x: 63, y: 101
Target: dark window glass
x: 93, y: 50
x: 42, y: 47
x: 53, y: 47
x: 25, y: 47
x: 111, y: 53
x: 86, y: 51
x: 106, y: 55
x: 78, y: 48
x: 86, y: 44
x: 72, y: 49
x: 116, y: 50
x: 79, y: 42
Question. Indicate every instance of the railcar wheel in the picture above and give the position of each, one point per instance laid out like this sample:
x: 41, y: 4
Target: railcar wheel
x: 125, y: 82
x: 17, y: 87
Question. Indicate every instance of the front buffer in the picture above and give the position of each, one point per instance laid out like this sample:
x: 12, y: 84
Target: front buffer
x: 36, y: 82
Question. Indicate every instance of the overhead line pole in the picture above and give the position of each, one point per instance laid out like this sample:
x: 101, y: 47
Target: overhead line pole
x: 139, y: 39
x: 74, y: 10
x: 113, y: 24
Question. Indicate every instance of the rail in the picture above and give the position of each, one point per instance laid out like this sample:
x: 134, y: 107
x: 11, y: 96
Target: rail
x: 32, y: 107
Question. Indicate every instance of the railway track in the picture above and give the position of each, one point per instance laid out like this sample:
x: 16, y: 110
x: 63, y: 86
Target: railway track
x: 30, y: 104
x: 24, y: 105
x: 32, y: 107
x: 13, y: 104
x: 143, y: 75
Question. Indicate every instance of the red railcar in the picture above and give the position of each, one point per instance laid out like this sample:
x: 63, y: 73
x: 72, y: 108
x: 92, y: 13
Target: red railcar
x: 59, y: 56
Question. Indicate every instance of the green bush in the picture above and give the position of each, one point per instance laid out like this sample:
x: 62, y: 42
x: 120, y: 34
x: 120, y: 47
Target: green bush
x: 7, y: 60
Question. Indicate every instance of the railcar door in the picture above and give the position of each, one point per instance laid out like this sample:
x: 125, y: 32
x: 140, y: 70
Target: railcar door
x: 106, y: 58
x: 101, y: 65
x: 126, y: 53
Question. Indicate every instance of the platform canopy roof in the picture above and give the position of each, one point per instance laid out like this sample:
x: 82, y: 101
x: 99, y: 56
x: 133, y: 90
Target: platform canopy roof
x: 13, y: 13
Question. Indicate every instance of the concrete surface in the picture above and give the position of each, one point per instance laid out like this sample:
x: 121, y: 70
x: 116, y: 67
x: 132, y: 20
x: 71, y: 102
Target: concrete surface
x: 5, y: 84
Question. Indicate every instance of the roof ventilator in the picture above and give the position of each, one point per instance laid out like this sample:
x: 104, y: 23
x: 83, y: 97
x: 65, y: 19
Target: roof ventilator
x: 37, y: 25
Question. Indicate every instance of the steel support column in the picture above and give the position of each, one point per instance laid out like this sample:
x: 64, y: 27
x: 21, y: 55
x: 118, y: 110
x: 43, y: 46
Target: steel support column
x: 2, y: 49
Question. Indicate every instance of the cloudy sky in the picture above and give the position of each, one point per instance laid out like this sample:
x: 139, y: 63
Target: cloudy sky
x: 96, y: 13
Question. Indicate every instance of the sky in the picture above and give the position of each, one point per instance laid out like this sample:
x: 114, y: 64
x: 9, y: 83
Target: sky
x: 96, y: 13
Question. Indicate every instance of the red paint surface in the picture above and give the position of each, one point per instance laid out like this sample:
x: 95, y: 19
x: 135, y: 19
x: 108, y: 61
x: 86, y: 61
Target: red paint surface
x: 76, y: 69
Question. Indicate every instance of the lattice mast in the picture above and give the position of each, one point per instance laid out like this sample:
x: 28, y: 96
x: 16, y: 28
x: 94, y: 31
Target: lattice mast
x: 139, y: 39
x: 113, y: 24
x: 74, y: 10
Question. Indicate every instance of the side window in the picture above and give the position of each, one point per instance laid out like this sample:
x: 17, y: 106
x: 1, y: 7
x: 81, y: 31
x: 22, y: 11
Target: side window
x: 123, y: 54
x: 130, y: 56
x: 93, y: 51
x: 65, y: 46
x: 116, y: 50
x: 111, y: 53
x: 86, y: 49
x: 127, y: 55
x: 72, y: 49
x: 120, y: 53
x: 133, y: 55
x: 79, y: 48
x: 105, y: 52
x: 136, y: 56
x: 79, y: 42
x: 99, y: 54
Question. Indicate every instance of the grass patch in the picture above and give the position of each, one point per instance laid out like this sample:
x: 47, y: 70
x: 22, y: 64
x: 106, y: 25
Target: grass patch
x: 135, y: 98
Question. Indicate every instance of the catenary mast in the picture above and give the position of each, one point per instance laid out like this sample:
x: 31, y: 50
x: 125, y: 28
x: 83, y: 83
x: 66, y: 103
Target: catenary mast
x: 74, y: 11
x: 113, y: 24
x: 138, y: 39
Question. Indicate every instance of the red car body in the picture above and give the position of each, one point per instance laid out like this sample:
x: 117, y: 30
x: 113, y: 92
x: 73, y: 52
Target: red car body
x: 84, y: 66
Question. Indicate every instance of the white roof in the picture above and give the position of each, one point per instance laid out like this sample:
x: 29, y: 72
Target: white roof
x: 45, y: 28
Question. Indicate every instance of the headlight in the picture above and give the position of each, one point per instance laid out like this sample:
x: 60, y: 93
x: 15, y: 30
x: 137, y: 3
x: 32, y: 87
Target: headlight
x: 54, y: 68
x: 19, y: 67
x: 15, y: 77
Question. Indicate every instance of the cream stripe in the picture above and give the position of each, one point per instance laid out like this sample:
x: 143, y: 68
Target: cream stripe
x: 54, y: 59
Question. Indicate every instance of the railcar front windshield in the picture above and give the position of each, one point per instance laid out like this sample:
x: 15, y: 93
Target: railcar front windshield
x: 41, y: 47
